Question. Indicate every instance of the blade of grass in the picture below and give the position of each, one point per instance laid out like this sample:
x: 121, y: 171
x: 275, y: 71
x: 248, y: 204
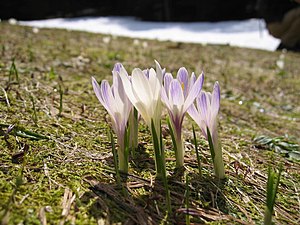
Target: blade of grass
x: 197, y: 153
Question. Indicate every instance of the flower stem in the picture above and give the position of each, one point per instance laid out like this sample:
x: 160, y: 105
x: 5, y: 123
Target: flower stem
x: 122, y: 160
x: 218, y: 161
x: 157, y: 155
x: 216, y: 154
x: 179, y: 151
x: 177, y: 144
x: 267, y: 217
x: 160, y: 164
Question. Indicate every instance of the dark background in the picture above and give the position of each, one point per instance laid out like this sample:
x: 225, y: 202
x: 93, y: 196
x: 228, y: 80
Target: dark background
x: 154, y: 10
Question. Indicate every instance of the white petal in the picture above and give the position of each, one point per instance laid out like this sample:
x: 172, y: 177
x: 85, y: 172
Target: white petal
x: 165, y: 99
x: 141, y: 86
x: 194, y: 114
x: 159, y: 71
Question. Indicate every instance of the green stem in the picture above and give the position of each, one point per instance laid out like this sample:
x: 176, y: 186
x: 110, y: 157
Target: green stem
x: 177, y: 144
x: 123, y: 153
x: 218, y: 160
x: 216, y: 154
x: 268, y: 217
x: 160, y: 164
x: 157, y: 156
x: 179, y: 153
x: 123, y: 160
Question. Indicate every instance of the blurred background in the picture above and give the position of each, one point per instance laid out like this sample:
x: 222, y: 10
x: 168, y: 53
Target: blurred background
x: 151, y: 10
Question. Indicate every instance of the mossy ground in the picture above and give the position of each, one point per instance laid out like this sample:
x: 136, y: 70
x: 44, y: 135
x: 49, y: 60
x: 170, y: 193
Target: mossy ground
x: 69, y: 179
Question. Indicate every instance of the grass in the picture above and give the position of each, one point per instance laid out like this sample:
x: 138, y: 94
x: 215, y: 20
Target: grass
x: 69, y: 179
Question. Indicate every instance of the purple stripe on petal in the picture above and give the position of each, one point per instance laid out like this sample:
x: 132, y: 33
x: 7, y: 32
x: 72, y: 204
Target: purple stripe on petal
x: 183, y: 78
x: 215, y: 101
x: 117, y: 67
x: 97, y: 91
x: 167, y: 80
x: 192, y: 80
x: 108, y: 99
x: 203, y: 106
x: 176, y: 93
x: 146, y: 72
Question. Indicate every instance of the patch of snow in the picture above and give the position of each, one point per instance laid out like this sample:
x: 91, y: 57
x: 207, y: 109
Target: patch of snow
x: 250, y: 33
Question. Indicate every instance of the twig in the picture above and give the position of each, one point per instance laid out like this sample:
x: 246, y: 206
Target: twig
x: 6, y: 98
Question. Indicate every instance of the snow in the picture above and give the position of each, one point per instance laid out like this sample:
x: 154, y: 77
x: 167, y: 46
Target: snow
x: 250, y: 33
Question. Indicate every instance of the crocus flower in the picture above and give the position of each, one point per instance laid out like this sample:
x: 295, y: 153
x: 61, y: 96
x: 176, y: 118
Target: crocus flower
x: 133, y: 116
x: 178, y: 95
x: 115, y: 101
x: 205, y: 115
x: 143, y: 89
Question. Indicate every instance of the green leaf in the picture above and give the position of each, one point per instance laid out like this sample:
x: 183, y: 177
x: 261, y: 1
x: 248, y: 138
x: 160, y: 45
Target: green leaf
x: 272, y: 189
x: 157, y: 151
x: 172, y: 136
x: 115, y: 156
x: 279, y: 145
x: 197, y: 152
x: 211, y: 145
x: 22, y: 132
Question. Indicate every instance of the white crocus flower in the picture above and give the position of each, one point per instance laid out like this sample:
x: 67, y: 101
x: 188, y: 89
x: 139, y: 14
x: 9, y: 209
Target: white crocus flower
x: 143, y: 89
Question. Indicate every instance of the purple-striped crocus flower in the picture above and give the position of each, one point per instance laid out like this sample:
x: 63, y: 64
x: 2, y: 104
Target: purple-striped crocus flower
x: 118, y: 106
x: 178, y: 95
x: 205, y: 115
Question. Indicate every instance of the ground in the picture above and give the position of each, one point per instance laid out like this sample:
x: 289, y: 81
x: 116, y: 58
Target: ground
x: 56, y: 162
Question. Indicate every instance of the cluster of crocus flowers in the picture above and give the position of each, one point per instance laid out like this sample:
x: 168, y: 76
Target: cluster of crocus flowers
x: 146, y: 91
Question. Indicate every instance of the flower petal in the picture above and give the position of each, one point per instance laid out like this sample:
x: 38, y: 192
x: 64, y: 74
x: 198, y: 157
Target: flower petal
x: 202, y: 105
x: 193, y: 79
x: 108, y: 98
x: 154, y: 84
x: 194, y: 92
x: 97, y: 90
x: 146, y: 72
x: 194, y: 114
x: 99, y: 93
x: 140, y: 85
x: 165, y: 99
x: 159, y: 72
x: 117, y: 67
x: 215, y: 100
x: 176, y: 93
x: 167, y: 80
x: 183, y: 78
